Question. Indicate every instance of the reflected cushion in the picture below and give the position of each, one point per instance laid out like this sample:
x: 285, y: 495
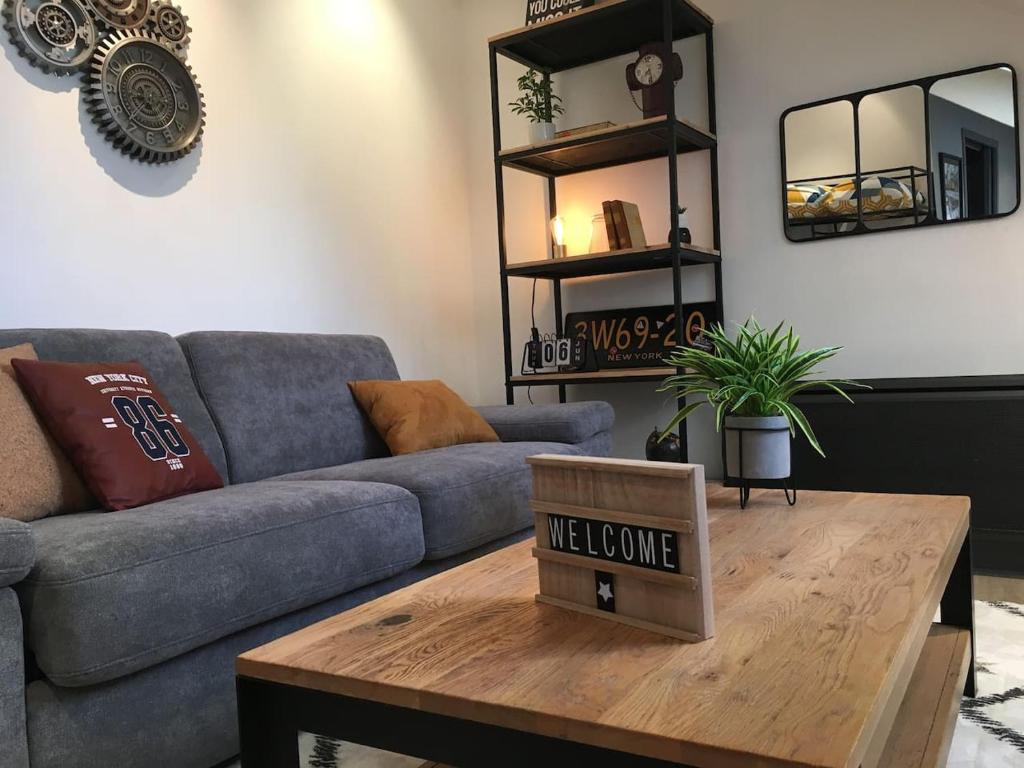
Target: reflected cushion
x: 806, y: 201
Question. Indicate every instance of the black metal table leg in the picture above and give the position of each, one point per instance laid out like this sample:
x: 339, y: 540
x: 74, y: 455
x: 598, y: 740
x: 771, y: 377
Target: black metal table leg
x: 271, y: 716
x: 957, y: 606
x: 269, y: 736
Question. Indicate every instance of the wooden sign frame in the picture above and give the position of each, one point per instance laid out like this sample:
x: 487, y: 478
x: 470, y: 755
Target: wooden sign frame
x: 625, y: 541
x: 540, y: 11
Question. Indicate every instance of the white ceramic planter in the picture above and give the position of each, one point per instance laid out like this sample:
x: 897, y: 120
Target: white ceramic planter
x: 541, y: 132
x: 765, y: 443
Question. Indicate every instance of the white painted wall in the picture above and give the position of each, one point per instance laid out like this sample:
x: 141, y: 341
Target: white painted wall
x: 328, y: 196
x: 940, y: 301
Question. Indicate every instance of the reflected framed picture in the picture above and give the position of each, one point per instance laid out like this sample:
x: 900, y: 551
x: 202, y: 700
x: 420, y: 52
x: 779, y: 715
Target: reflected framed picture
x: 951, y: 170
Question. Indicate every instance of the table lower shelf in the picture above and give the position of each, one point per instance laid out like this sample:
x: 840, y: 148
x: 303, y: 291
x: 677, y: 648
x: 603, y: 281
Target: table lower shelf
x: 923, y: 729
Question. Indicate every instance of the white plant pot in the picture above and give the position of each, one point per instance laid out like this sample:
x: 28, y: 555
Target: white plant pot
x: 541, y: 132
x: 757, y: 448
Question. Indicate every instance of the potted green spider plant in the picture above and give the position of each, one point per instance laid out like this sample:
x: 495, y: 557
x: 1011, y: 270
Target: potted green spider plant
x: 750, y: 381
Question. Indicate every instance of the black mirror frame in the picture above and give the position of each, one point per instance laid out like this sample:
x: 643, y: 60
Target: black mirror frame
x: 925, y: 83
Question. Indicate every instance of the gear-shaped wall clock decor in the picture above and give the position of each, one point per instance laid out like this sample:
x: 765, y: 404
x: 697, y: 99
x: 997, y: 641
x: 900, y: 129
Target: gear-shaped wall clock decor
x: 144, y: 99
x: 120, y: 14
x: 140, y: 92
x: 170, y: 25
x: 58, y: 36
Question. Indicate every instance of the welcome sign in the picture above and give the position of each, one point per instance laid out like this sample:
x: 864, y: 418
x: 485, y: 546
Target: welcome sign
x: 617, y: 543
x: 624, y: 540
x: 542, y: 10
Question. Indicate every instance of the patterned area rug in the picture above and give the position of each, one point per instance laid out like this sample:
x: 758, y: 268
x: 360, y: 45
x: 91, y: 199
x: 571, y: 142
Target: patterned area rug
x: 989, y: 734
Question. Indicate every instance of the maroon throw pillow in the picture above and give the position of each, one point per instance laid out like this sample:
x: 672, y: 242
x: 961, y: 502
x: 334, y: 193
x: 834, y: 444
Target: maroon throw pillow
x: 126, y: 441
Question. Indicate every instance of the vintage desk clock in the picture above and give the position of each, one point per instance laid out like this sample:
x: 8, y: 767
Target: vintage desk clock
x: 551, y: 353
x: 647, y: 75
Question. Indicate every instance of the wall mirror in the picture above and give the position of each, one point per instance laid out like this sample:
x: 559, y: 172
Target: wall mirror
x: 937, y: 150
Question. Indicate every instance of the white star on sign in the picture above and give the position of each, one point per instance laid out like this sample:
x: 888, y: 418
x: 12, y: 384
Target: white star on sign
x: 605, y: 592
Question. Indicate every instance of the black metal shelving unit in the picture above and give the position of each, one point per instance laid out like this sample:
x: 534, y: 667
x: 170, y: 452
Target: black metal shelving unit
x: 609, y: 29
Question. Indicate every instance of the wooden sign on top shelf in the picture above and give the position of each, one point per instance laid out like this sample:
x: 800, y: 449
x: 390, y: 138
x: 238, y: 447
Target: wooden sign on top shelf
x: 625, y: 541
x: 545, y: 10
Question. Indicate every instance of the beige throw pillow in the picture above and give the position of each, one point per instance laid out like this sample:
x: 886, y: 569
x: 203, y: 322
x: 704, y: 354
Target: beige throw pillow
x: 36, y: 479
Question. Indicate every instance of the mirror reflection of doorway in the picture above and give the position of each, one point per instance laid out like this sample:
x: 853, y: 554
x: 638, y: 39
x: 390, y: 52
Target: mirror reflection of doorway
x: 981, y: 190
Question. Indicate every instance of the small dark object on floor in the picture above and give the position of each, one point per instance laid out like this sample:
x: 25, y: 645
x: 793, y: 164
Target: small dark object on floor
x: 326, y: 753
x: 666, y: 450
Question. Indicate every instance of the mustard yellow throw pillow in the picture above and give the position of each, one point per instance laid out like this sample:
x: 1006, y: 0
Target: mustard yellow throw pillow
x: 36, y: 479
x: 414, y: 416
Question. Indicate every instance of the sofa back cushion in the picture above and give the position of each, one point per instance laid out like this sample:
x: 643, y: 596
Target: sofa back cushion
x: 281, y: 401
x: 157, y: 352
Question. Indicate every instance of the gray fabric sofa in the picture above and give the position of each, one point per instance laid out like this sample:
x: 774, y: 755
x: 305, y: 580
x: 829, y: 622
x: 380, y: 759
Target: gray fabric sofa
x: 118, y: 631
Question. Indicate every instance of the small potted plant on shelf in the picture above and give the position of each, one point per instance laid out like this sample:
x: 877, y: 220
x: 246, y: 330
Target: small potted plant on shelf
x: 538, y: 102
x: 750, y: 381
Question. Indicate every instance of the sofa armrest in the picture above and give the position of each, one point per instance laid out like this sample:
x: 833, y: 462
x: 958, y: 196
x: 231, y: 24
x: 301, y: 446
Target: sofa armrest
x: 569, y: 423
x: 17, y: 551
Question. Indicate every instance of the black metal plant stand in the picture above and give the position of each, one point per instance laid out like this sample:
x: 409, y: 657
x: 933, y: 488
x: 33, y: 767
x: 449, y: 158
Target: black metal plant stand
x: 745, y: 484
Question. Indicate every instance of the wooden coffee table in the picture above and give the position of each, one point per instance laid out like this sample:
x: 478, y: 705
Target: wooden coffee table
x: 825, y: 655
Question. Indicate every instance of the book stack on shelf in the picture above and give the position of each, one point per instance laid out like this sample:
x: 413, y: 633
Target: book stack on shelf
x: 624, y: 225
x: 584, y: 129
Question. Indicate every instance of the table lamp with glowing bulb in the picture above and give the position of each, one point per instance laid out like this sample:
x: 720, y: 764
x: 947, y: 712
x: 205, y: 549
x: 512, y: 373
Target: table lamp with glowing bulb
x: 558, y: 248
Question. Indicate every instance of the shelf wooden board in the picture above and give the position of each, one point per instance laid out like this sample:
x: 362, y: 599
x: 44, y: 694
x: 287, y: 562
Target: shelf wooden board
x: 612, y: 262
x: 618, y: 145
x: 923, y: 728
x: 608, y: 29
x: 619, y: 375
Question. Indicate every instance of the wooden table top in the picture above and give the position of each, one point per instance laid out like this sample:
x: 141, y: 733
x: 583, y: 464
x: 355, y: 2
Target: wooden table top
x: 821, y: 610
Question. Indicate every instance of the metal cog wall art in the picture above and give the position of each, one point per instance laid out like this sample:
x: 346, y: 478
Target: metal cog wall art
x: 58, y: 36
x: 170, y: 25
x: 144, y: 99
x: 120, y: 14
x: 141, y: 94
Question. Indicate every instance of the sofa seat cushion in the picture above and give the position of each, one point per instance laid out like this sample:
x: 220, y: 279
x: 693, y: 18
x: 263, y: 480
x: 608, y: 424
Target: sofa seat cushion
x: 469, y: 494
x: 113, y: 594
